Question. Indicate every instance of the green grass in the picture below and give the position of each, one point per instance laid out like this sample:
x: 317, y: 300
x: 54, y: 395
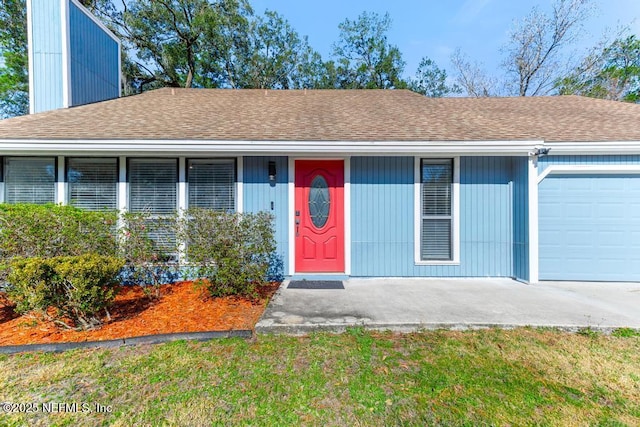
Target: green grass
x: 359, y: 378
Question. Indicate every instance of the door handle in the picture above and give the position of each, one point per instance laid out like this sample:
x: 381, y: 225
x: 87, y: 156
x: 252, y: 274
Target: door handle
x: 297, y: 227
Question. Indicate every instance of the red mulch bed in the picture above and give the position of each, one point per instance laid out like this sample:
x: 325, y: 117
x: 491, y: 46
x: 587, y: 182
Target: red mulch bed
x: 181, y: 308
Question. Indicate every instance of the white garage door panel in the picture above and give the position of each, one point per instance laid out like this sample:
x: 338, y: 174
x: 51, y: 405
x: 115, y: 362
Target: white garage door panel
x: 590, y: 227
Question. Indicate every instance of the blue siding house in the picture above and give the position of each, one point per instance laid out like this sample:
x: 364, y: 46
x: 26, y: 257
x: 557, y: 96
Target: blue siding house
x: 361, y: 183
x: 73, y: 58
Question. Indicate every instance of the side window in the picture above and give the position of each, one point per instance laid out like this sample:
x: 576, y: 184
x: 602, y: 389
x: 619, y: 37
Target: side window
x: 436, y: 209
x: 30, y: 180
x: 212, y: 184
x: 93, y: 183
x: 153, y: 185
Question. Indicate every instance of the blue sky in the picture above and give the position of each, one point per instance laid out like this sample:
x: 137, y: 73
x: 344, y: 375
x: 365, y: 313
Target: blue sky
x: 435, y: 28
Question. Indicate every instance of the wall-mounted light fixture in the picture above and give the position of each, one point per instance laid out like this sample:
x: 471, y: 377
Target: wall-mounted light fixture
x: 272, y: 171
x: 540, y: 151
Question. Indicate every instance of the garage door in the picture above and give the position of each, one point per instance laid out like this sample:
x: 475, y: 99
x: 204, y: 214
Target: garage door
x: 590, y: 227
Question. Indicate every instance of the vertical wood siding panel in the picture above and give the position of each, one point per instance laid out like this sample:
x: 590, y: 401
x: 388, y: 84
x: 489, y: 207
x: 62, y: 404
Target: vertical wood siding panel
x: 47, y: 55
x: 383, y: 218
x: 94, y: 60
x: 259, y: 193
x: 521, y: 219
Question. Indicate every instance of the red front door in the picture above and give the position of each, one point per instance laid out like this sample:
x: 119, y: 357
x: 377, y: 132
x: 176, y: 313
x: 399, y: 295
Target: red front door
x: 319, y: 216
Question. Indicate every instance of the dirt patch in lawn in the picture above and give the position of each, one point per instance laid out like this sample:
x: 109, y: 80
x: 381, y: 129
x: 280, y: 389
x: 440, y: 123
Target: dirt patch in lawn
x: 181, y: 308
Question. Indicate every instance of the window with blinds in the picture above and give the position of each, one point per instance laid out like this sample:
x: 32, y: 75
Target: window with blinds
x: 212, y: 184
x: 93, y: 183
x: 153, y: 185
x: 30, y: 180
x: 437, y: 218
x: 153, y: 190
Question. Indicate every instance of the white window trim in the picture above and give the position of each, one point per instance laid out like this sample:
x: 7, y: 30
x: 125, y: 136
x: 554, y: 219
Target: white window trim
x: 240, y: 184
x: 128, y: 180
x: 58, y: 177
x: 291, y: 187
x: 123, y: 189
x: 61, y: 181
x: 455, y: 212
x: 67, y: 185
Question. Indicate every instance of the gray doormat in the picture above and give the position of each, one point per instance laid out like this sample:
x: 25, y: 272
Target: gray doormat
x: 315, y: 284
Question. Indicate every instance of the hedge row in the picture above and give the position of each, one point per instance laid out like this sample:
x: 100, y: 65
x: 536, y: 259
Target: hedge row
x: 52, y: 245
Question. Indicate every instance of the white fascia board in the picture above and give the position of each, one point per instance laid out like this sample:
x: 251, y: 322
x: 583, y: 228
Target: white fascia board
x: 95, y: 20
x: 320, y: 148
x: 612, y: 169
x: 584, y: 148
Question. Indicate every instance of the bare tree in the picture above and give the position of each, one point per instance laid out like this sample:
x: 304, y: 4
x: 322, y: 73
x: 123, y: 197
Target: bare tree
x: 471, y: 77
x: 535, y: 43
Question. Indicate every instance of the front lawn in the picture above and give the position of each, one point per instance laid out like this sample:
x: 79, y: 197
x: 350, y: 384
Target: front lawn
x: 490, y: 377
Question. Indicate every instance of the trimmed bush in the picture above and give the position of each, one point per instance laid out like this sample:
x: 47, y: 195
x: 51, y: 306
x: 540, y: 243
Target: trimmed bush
x: 28, y: 230
x: 230, y: 252
x: 147, y: 244
x: 77, y: 288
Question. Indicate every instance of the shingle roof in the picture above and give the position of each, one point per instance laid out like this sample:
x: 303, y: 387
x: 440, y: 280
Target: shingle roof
x: 331, y: 115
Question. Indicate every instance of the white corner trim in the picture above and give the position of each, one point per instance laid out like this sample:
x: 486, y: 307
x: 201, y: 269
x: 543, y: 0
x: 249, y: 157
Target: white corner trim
x: 589, y: 169
x: 347, y: 216
x: 95, y: 20
x: 30, y: 57
x: 61, y: 184
x: 455, y: 231
x: 240, y: 184
x: 122, y: 183
x: 534, y: 248
x: 182, y: 184
x: 290, y: 216
x: 417, y: 211
x: 456, y: 210
x: 182, y: 202
x: 66, y: 53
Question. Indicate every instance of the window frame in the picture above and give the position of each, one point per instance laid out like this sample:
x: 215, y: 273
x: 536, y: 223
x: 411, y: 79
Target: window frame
x: 455, y: 212
x: 4, y: 170
x: 129, y: 186
x: 236, y: 192
x: 68, y: 200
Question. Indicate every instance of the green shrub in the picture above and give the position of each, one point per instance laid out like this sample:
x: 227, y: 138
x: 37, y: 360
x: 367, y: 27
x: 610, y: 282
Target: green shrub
x: 147, y: 244
x: 230, y: 252
x: 28, y: 230
x: 78, y: 288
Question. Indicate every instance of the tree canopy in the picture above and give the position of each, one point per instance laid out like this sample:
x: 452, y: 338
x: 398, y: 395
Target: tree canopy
x: 225, y: 44
x: 609, y: 72
x: 534, y: 57
x: 14, y: 78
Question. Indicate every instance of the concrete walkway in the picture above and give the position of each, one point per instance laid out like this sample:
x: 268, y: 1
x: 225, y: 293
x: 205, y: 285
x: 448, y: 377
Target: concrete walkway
x: 414, y: 304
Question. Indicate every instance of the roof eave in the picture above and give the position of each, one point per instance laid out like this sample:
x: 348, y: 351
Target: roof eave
x: 316, y: 148
x: 594, y: 148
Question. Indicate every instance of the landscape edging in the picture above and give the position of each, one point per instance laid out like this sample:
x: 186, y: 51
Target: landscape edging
x: 145, y: 339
